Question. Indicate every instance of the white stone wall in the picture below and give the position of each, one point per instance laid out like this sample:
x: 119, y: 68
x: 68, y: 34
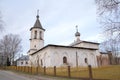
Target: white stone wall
x: 38, y: 30
x: 37, y: 43
x: 53, y: 56
x: 42, y: 58
x: 70, y: 53
x: 87, y: 45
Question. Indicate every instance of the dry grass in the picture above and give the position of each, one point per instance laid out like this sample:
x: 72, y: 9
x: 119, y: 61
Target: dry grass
x: 75, y: 72
x: 109, y: 72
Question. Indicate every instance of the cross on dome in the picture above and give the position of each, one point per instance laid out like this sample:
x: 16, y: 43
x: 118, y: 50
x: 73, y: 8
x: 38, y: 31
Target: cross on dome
x: 37, y: 14
x: 76, y: 28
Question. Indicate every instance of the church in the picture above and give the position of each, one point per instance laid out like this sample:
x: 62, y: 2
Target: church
x: 80, y: 53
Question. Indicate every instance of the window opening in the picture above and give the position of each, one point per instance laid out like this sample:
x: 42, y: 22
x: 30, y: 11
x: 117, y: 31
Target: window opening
x: 35, y: 35
x: 86, y: 61
x: 40, y: 35
x: 65, y: 60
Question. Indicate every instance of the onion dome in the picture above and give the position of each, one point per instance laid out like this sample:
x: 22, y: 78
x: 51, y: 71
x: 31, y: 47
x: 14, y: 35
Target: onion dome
x: 77, y: 33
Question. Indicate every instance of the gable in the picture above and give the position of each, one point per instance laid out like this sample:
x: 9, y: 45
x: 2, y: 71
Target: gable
x: 87, y: 45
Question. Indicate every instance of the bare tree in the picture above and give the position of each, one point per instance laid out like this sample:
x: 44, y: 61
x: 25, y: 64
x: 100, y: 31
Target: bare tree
x: 112, y: 46
x: 1, y: 23
x: 109, y: 16
x: 109, y: 13
x: 10, y: 46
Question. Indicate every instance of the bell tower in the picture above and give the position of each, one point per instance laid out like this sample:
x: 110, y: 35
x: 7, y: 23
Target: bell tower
x: 37, y: 36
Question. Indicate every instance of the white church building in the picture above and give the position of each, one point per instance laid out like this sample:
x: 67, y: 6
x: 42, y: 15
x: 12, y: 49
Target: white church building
x: 79, y: 53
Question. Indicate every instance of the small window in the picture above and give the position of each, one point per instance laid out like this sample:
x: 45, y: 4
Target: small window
x: 86, y: 61
x: 35, y: 37
x: 40, y: 35
x: 21, y: 63
x: 26, y: 62
x: 65, y: 60
x: 41, y: 62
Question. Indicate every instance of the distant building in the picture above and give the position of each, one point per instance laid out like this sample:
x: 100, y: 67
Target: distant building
x: 103, y: 59
x: 118, y: 60
x: 107, y: 58
x: 22, y: 61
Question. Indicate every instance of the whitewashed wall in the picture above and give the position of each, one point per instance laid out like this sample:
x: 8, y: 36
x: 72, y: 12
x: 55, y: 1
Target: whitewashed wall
x: 59, y: 52
x: 53, y: 56
x: 87, y: 45
x: 43, y: 55
x: 36, y: 43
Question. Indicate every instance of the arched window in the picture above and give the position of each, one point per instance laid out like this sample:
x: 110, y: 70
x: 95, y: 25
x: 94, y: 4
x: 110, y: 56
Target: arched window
x: 26, y: 62
x: 86, y: 61
x: 40, y: 34
x: 41, y: 63
x: 21, y: 63
x: 65, y: 60
x: 35, y: 37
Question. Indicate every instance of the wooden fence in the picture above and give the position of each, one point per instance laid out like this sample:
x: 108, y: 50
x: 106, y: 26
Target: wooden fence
x: 70, y: 72
x: 111, y: 72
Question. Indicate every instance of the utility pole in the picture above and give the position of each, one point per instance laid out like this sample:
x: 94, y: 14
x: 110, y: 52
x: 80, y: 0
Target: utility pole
x: 76, y: 59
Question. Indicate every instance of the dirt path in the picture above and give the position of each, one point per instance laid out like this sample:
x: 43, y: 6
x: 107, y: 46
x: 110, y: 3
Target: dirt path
x: 9, y: 75
x: 12, y: 75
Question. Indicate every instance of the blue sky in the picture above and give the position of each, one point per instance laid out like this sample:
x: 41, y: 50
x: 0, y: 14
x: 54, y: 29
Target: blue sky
x: 58, y: 17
